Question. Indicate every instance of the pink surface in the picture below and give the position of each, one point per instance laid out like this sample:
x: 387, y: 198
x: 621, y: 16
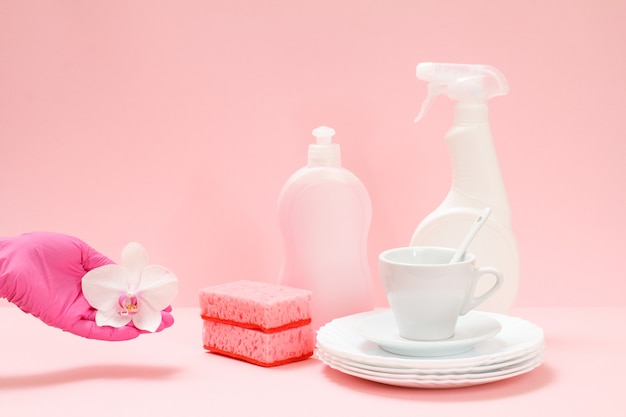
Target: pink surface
x: 175, y: 124
x: 44, y: 371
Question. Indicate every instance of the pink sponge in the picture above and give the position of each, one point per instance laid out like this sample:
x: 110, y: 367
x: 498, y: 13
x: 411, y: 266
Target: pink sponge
x: 256, y: 305
x: 262, y: 323
x: 265, y: 349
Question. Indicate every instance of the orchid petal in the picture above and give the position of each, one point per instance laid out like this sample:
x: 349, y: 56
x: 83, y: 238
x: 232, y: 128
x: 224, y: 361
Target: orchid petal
x: 132, y: 290
x: 134, y: 259
x: 158, y: 287
x: 103, y: 286
x: 147, y: 318
x: 111, y: 318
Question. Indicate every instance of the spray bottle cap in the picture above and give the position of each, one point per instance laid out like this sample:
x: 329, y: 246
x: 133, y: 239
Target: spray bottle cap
x: 462, y: 82
x: 324, y: 152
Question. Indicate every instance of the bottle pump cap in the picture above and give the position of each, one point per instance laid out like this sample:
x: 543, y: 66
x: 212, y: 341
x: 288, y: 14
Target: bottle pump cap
x: 324, y: 134
x: 462, y: 82
x: 324, y: 152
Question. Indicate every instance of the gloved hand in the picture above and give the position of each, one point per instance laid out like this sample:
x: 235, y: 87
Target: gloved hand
x: 41, y: 273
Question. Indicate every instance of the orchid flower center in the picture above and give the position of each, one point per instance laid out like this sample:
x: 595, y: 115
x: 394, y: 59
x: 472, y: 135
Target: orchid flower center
x: 129, y: 304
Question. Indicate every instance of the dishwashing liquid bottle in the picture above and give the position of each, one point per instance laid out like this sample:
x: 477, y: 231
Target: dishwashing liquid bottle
x: 325, y: 212
x: 476, y: 178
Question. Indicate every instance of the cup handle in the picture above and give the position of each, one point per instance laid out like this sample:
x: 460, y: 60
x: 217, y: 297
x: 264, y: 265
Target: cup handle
x: 472, y: 301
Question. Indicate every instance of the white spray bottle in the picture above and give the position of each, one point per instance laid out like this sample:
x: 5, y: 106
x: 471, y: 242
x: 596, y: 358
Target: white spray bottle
x: 476, y: 178
x: 325, y: 212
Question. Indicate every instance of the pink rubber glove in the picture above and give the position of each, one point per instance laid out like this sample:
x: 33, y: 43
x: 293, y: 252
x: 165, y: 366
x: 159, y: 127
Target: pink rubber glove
x: 41, y: 273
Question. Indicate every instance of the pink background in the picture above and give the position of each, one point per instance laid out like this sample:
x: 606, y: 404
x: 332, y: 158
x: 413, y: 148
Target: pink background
x: 175, y: 124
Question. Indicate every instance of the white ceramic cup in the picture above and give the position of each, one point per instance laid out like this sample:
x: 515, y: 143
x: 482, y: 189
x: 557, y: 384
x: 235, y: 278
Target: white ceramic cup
x: 427, y: 294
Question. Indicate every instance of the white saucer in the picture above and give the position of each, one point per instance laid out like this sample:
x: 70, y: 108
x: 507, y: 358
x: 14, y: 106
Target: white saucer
x: 517, y: 349
x: 471, y: 329
x: 517, y: 338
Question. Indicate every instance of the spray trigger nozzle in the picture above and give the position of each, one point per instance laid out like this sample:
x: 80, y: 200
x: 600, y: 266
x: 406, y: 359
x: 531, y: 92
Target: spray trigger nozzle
x: 461, y: 82
x: 433, y: 91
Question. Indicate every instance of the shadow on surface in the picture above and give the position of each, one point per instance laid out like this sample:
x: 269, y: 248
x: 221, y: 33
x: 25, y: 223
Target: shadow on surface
x: 105, y: 371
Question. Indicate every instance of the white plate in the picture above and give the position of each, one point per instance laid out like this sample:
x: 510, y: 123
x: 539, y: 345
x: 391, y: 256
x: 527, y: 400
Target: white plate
x: 440, y: 382
x: 472, y: 328
x: 505, y: 370
x: 448, y: 372
x: 517, y: 337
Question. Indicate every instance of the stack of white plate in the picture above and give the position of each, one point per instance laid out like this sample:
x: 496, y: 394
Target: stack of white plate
x: 486, y: 347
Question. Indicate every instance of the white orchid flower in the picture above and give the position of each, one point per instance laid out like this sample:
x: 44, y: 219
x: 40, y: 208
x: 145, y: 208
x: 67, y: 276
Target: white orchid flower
x: 131, y: 291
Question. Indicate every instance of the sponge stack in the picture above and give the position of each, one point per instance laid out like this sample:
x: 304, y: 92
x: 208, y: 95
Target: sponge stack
x: 262, y: 323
